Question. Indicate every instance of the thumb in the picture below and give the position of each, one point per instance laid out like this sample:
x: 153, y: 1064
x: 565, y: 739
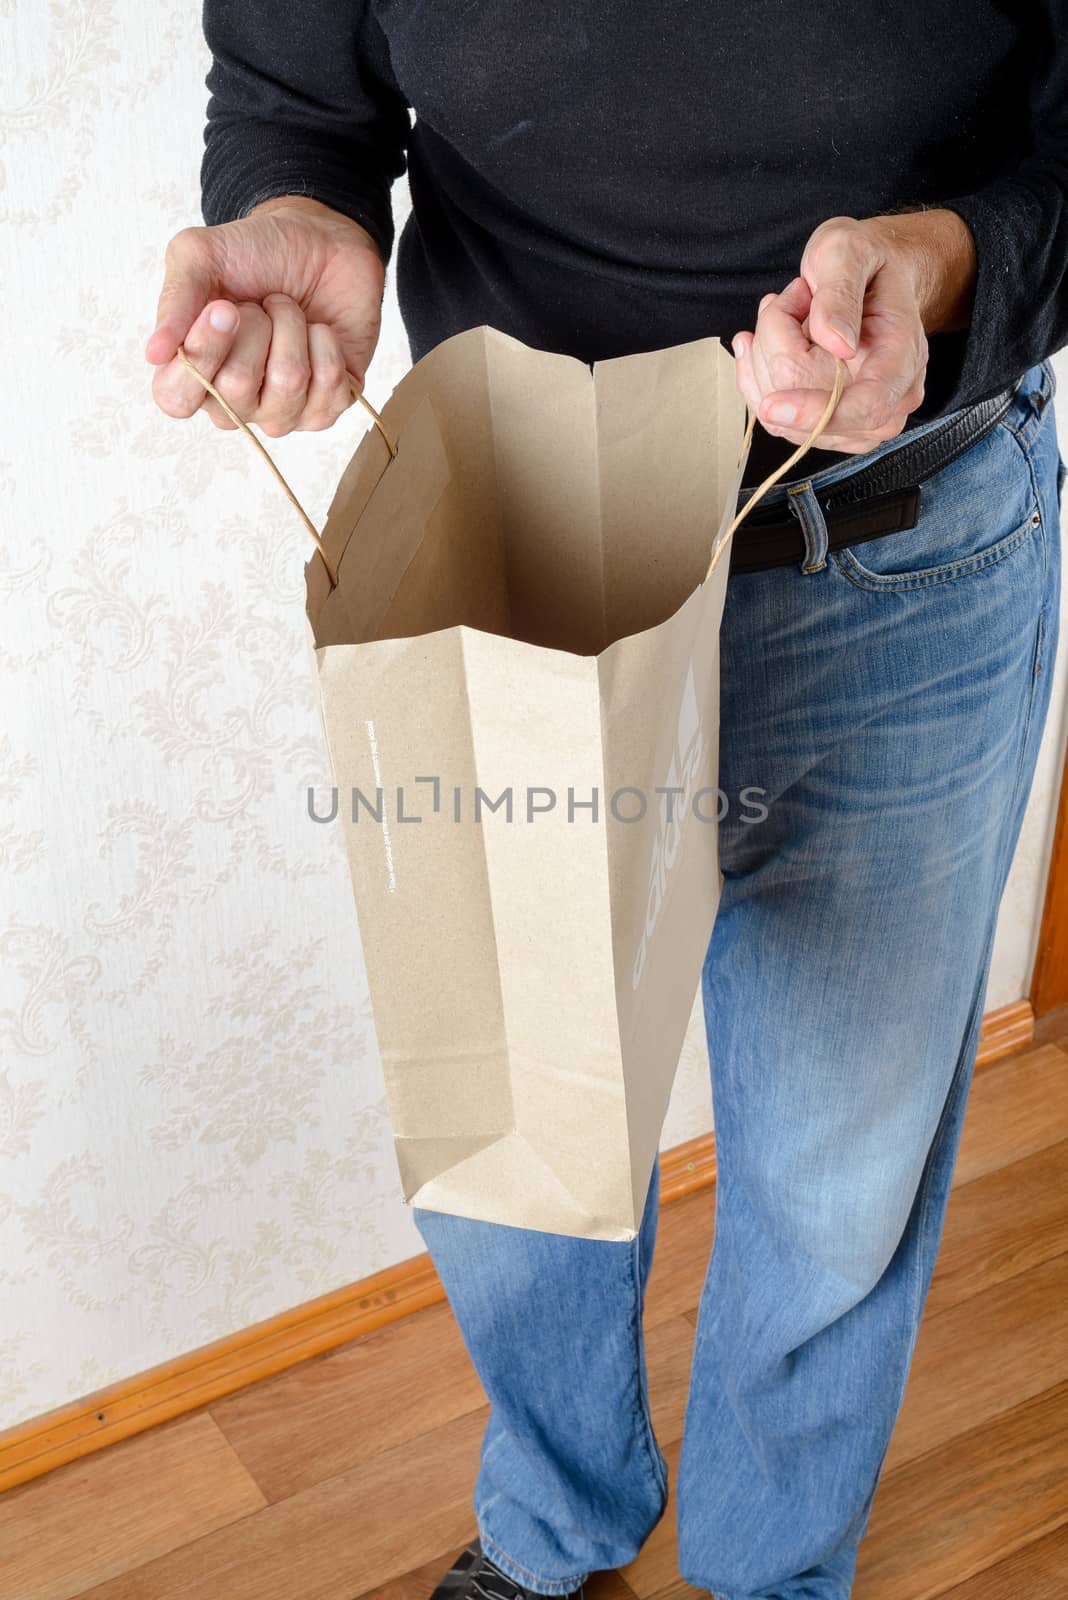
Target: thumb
x: 837, y: 266
x: 188, y: 283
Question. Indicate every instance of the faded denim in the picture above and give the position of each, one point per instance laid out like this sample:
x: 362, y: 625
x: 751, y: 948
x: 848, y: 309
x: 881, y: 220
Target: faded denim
x: 890, y: 699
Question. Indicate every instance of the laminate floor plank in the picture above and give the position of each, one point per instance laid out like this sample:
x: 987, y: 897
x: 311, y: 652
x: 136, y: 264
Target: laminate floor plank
x: 1001, y: 1224
x: 668, y: 1352
x: 1038, y: 1571
x: 95, y: 1519
x: 404, y: 1508
x: 950, y: 1514
x: 983, y: 1356
x: 683, y: 1243
x: 1017, y: 1107
x: 330, y: 1414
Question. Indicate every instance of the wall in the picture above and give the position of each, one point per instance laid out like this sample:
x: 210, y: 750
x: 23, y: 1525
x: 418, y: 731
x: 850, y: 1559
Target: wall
x: 192, y: 1134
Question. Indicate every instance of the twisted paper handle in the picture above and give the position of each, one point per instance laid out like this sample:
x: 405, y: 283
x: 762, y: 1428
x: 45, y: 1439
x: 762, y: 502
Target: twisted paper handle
x: 784, y: 467
x: 717, y: 554
x: 272, y: 463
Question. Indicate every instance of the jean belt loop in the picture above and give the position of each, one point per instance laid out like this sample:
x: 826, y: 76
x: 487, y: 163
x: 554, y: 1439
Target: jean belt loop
x: 806, y: 508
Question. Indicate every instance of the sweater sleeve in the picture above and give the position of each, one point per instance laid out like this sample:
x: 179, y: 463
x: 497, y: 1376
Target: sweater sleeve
x: 1020, y: 225
x: 302, y: 101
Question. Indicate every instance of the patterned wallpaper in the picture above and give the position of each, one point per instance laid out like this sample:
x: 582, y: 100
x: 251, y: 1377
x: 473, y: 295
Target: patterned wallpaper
x: 192, y: 1134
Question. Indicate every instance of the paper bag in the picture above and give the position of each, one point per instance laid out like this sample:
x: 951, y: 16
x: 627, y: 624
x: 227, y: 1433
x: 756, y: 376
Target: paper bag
x: 519, y: 685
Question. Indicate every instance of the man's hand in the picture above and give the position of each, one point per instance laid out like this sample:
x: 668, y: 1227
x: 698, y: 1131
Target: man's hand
x: 273, y: 309
x: 870, y: 292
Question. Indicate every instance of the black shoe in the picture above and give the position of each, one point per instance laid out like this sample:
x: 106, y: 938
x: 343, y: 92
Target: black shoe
x: 473, y: 1576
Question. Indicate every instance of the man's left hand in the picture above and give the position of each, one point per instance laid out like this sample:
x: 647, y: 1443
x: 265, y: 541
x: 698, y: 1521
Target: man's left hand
x: 869, y: 291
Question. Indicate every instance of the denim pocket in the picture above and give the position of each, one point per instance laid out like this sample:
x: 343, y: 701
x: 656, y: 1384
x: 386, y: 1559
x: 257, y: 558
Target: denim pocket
x: 946, y: 572
x: 974, y: 513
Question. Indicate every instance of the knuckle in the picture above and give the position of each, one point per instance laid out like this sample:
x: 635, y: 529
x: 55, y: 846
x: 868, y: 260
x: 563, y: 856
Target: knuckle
x: 331, y: 373
x: 185, y: 246
x: 172, y: 401
x: 288, y: 378
x: 910, y: 399
x: 784, y: 372
x: 172, y: 406
x: 871, y: 411
x: 842, y: 231
x: 919, y: 389
x: 238, y: 378
x: 253, y: 317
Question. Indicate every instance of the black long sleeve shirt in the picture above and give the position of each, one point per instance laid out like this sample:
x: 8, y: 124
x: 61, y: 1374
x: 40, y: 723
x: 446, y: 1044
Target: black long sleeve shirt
x: 599, y: 177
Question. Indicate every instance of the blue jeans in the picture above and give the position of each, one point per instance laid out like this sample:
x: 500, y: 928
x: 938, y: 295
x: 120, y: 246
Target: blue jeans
x: 890, y: 700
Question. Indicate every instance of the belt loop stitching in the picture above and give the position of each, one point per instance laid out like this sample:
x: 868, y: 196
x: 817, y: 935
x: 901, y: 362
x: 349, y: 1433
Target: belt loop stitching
x: 809, y: 513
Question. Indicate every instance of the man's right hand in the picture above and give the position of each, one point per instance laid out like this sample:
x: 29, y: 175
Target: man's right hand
x: 273, y: 309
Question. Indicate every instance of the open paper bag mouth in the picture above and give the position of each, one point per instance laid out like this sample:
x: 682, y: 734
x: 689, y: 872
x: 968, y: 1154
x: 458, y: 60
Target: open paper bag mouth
x: 538, y: 499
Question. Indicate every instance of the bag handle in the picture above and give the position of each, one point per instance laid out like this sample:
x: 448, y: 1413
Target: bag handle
x: 358, y: 394
x: 357, y: 390
x: 784, y: 467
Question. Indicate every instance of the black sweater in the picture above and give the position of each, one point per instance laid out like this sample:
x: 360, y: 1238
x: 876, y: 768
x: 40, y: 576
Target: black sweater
x: 604, y: 176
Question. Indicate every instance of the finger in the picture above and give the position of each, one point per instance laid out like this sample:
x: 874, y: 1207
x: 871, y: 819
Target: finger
x: 838, y: 263
x: 783, y: 358
x: 864, y: 408
x: 779, y: 352
x: 833, y: 438
x: 848, y: 444
x: 891, y: 376
x: 240, y: 377
x: 188, y: 284
x: 288, y: 371
x: 742, y: 345
x: 207, y: 345
x: 868, y: 404
x: 328, y: 392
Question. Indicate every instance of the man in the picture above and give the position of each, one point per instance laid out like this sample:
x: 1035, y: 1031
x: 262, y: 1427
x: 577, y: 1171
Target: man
x: 887, y: 185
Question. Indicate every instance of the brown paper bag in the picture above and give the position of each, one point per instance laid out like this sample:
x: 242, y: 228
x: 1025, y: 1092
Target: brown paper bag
x: 519, y: 679
x: 514, y: 622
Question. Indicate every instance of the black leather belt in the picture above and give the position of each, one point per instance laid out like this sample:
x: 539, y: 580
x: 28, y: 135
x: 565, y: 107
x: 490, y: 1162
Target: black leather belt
x: 879, y: 499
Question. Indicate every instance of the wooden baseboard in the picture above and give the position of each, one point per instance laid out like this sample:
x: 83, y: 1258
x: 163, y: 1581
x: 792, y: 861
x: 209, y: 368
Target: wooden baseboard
x: 1005, y: 1030
x: 1053, y: 1027
x: 179, y: 1386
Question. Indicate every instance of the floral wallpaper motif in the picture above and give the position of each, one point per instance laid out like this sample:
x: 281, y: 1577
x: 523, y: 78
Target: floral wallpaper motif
x: 192, y: 1133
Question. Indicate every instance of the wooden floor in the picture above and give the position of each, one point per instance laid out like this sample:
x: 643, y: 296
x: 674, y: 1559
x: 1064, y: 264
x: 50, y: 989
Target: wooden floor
x: 351, y: 1475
